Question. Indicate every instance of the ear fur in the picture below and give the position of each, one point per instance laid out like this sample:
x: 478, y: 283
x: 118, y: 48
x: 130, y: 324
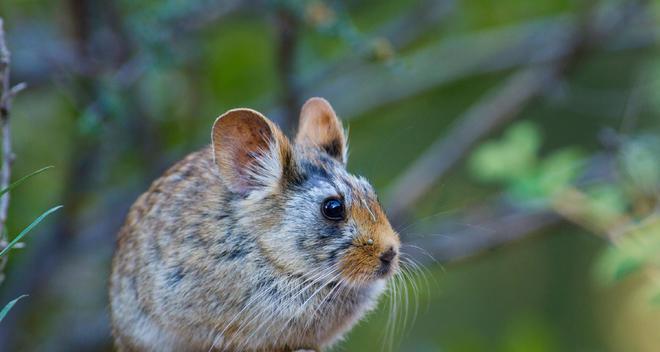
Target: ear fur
x: 249, y: 150
x: 321, y: 128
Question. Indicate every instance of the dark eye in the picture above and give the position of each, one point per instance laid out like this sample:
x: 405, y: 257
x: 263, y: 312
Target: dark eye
x: 333, y: 209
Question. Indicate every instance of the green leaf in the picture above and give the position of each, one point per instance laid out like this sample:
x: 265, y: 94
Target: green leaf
x: 636, y: 248
x: 655, y: 298
x: 509, y: 159
x: 27, y: 229
x: 626, y: 267
x: 640, y: 164
x: 23, y: 179
x: 9, y: 306
x: 559, y: 170
x: 617, y: 264
x: 606, y: 202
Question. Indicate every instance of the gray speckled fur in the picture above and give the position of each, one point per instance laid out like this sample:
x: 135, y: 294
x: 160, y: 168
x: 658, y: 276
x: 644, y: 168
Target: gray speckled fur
x: 200, y: 267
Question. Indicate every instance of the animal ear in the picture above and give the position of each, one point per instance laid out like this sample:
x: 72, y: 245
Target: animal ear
x: 250, y: 151
x: 321, y: 128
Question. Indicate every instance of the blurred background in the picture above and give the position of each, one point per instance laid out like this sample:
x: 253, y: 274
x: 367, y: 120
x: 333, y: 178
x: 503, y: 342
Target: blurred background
x: 515, y: 145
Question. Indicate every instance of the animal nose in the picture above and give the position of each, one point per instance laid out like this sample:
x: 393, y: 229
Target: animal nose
x: 387, y: 256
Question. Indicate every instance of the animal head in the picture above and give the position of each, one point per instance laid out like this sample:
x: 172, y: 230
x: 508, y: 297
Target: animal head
x: 306, y: 213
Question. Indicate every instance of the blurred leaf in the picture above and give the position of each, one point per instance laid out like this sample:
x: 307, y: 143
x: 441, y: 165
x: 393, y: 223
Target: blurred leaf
x: 510, y: 158
x: 9, y: 306
x: 655, y: 298
x: 560, y: 170
x: 527, y: 189
x: 606, y: 203
x: 616, y: 264
x: 89, y: 122
x: 28, y: 229
x: 23, y: 179
x: 554, y: 174
x: 640, y: 165
x: 637, y: 247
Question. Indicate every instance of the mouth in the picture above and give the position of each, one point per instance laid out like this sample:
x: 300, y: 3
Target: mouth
x: 366, y: 264
x: 388, y: 262
x: 385, y: 270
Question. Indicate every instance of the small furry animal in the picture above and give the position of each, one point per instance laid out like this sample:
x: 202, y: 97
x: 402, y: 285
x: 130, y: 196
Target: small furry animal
x: 252, y: 244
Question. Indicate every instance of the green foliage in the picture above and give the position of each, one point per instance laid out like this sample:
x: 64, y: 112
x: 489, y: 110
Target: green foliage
x: 655, y: 298
x: 514, y: 161
x: 637, y: 248
x: 634, y: 196
x: 28, y: 229
x: 559, y: 170
x: 640, y: 166
x: 9, y: 306
x: 604, y: 203
x: 620, y: 209
x: 23, y: 179
x: 510, y: 158
x: 25, y: 231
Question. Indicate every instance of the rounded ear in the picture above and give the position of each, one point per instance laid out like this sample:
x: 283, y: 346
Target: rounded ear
x: 249, y: 150
x: 321, y: 128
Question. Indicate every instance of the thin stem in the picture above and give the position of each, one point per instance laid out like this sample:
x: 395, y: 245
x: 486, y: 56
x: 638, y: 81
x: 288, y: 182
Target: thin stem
x: 6, y: 95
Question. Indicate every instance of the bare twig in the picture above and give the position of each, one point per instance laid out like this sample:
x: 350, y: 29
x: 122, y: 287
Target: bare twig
x: 288, y: 25
x: 119, y: 52
x: 6, y: 95
x: 491, y: 226
x: 457, y: 57
x: 58, y: 56
x: 399, y: 33
x: 495, y: 109
x: 85, y: 158
x: 499, y: 221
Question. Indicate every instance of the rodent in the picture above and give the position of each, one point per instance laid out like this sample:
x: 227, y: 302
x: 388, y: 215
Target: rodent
x: 254, y: 243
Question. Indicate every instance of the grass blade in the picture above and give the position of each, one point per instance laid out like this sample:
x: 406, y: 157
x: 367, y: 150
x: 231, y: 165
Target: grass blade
x: 9, y: 306
x: 23, y: 179
x: 27, y: 229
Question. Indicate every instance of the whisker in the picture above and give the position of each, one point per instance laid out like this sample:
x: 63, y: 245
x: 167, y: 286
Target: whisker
x: 300, y: 309
x: 418, y: 221
x: 423, y: 251
x: 252, y: 315
x: 267, y: 324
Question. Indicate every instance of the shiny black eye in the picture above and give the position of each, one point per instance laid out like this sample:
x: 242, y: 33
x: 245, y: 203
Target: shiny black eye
x: 333, y: 209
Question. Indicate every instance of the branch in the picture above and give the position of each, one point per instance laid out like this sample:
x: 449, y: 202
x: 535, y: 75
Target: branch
x: 59, y: 55
x: 499, y: 221
x: 399, y: 33
x: 484, y: 228
x: 6, y: 95
x: 496, y: 108
x: 288, y: 26
x: 457, y: 57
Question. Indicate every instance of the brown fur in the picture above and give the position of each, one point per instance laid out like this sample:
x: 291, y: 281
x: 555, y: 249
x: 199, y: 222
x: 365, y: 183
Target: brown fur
x: 320, y: 128
x: 229, y: 249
